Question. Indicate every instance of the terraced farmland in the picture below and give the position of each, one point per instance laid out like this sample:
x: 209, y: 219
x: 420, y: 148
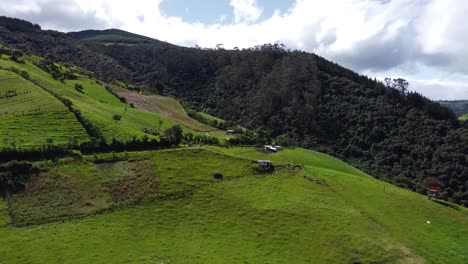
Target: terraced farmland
x: 99, y: 106
x: 166, y: 106
x: 29, y: 116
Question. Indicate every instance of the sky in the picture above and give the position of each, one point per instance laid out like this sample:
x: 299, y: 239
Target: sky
x: 423, y: 41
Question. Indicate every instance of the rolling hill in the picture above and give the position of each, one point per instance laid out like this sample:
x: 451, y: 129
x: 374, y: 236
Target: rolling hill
x: 294, y: 97
x: 35, y: 103
x: 324, y: 212
x: 122, y: 183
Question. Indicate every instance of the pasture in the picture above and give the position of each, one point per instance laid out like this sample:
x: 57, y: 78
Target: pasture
x: 326, y: 212
x: 29, y: 116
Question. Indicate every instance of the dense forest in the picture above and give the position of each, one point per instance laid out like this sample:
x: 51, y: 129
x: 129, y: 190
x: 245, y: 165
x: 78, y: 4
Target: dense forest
x: 292, y: 97
x: 459, y: 107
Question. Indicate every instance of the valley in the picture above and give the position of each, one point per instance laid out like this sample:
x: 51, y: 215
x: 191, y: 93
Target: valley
x: 120, y: 148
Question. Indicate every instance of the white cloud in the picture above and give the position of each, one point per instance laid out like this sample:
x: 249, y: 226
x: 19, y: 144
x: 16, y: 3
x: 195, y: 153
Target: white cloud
x: 246, y: 11
x: 372, y: 36
x: 437, y: 89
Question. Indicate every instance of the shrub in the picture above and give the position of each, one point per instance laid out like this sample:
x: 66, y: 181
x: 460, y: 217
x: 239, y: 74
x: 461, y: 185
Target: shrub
x: 218, y: 176
x: 117, y: 117
x: 174, y: 134
x: 79, y: 88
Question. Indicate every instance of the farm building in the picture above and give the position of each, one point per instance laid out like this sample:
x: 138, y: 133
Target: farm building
x: 264, y: 163
x: 270, y: 148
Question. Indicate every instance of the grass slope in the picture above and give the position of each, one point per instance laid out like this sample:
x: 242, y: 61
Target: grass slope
x: 98, y: 105
x: 463, y: 117
x: 74, y: 189
x: 401, y: 213
x: 32, y: 115
x: 210, y: 117
x: 327, y: 213
x: 166, y: 106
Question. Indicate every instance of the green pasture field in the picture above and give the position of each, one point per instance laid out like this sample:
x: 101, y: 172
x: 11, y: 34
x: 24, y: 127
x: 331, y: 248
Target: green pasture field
x: 326, y: 212
x: 29, y: 116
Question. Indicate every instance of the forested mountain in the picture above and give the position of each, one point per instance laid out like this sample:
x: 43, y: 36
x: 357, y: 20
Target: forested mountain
x: 459, y: 107
x: 293, y: 97
x: 112, y: 35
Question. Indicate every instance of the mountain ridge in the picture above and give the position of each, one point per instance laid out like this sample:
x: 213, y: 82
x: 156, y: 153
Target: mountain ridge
x: 113, y: 35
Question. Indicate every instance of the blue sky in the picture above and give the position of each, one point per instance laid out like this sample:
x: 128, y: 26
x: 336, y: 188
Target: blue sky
x: 212, y: 11
x: 423, y: 41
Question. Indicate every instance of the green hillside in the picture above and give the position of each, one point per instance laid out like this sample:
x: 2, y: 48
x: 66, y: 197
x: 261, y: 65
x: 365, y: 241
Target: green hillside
x: 463, y: 117
x: 297, y: 98
x: 94, y: 168
x: 166, y: 106
x: 94, y: 102
x: 327, y: 212
x: 31, y: 116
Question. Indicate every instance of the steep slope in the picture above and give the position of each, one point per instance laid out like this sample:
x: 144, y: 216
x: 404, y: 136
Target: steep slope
x: 93, y: 101
x: 29, y: 116
x: 327, y: 213
x: 166, y: 106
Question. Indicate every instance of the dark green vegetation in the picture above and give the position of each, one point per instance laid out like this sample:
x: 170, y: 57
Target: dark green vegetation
x: 111, y: 36
x: 459, y: 107
x: 324, y: 212
x: 295, y: 97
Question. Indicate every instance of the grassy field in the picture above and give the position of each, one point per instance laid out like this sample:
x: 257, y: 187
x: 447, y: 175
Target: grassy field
x: 463, y: 117
x: 99, y: 106
x: 73, y: 189
x: 29, y: 115
x: 169, y: 107
x: 210, y: 117
x: 327, y: 212
x: 291, y: 156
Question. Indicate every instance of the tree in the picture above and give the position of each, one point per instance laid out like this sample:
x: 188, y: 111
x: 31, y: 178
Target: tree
x: 174, y: 134
x: 432, y: 183
x: 116, y: 117
x: 399, y: 83
x: 79, y: 87
x: 283, y: 140
x: 50, y: 58
x: 13, y: 176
